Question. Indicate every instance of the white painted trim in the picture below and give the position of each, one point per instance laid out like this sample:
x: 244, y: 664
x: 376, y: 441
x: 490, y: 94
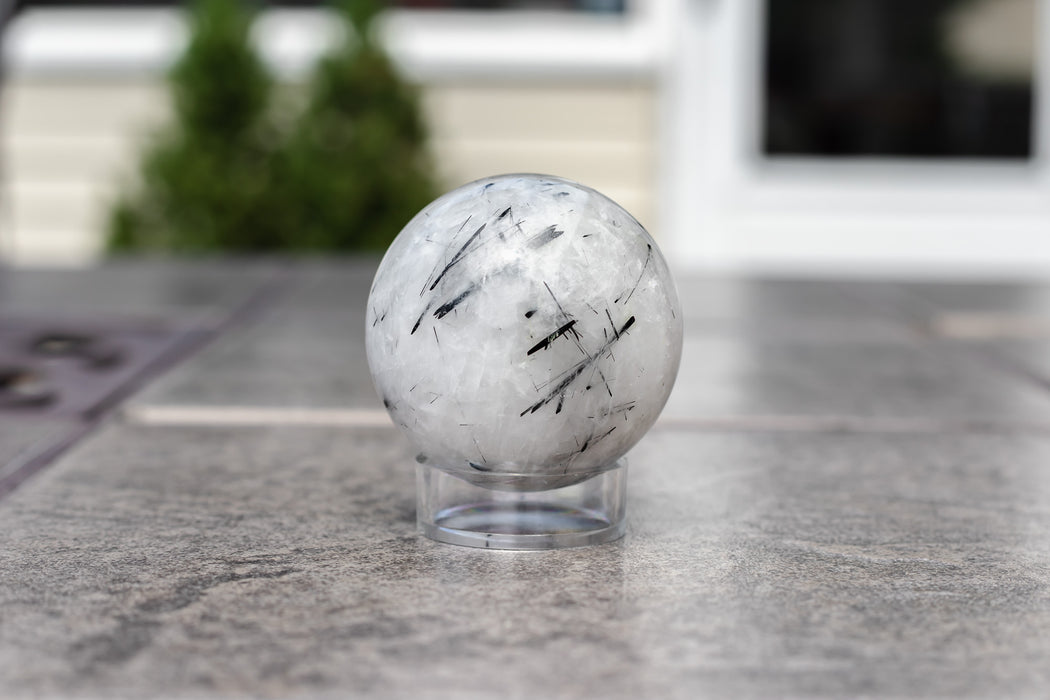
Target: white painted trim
x: 73, y: 42
x: 430, y: 45
x: 532, y: 44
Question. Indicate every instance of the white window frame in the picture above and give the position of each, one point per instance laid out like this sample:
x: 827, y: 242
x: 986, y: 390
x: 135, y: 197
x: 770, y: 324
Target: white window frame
x: 727, y: 207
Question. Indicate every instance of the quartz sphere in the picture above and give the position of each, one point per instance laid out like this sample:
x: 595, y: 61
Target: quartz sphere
x: 524, y: 331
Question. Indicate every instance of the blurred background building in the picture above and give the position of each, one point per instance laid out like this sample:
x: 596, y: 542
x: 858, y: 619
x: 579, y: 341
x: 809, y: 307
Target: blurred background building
x: 828, y: 136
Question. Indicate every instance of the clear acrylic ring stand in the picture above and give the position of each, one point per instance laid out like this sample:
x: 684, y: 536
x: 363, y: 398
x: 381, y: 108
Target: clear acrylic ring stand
x: 453, y: 510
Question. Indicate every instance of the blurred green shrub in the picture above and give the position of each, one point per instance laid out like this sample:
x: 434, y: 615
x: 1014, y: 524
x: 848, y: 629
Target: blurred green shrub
x: 346, y: 173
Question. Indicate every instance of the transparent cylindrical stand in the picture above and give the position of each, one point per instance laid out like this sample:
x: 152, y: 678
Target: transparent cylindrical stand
x: 453, y: 510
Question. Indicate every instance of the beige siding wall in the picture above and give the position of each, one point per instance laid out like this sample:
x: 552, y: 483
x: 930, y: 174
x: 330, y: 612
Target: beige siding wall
x: 600, y: 135
x: 65, y: 147
x: 68, y: 146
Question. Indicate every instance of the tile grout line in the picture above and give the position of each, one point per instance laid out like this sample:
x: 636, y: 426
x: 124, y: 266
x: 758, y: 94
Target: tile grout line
x: 226, y: 416
x: 248, y: 416
x: 35, y: 462
x: 193, y: 340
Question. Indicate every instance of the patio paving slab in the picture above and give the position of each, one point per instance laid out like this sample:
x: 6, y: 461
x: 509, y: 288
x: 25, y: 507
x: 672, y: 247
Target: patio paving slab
x: 283, y: 562
x: 25, y: 444
x: 791, y: 309
x: 733, y: 376
x: 307, y: 352
x: 200, y: 293
x: 305, y: 349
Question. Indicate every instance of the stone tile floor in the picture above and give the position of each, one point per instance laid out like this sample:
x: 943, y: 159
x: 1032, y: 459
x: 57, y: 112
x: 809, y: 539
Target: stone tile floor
x: 848, y: 495
x: 26, y: 445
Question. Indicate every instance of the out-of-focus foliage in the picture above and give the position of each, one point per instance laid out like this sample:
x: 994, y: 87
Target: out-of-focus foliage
x: 356, y: 159
x: 345, y: 174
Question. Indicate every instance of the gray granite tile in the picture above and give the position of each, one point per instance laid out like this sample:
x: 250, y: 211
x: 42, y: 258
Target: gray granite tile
x: 314, y: 357
x: 282, y: 563
x: 1029, y: 358
x: 969, y: 309
x: 285, y: 358
x: 797, y: 309
x: 197, y: 292
x: 745, y: 376
x: 988, y: 296
x: 306, y: 351
x: 978, y: 310
x: 790, y: 309
x: 26, y: 443
x: 80, y: 369
x: 335, y: 284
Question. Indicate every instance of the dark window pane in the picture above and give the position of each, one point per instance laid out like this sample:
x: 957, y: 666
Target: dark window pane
x: 908, y: 78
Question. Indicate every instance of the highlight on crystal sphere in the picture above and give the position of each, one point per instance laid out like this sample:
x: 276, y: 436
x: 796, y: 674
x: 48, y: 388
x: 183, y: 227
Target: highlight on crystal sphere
x: 524, y: 331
